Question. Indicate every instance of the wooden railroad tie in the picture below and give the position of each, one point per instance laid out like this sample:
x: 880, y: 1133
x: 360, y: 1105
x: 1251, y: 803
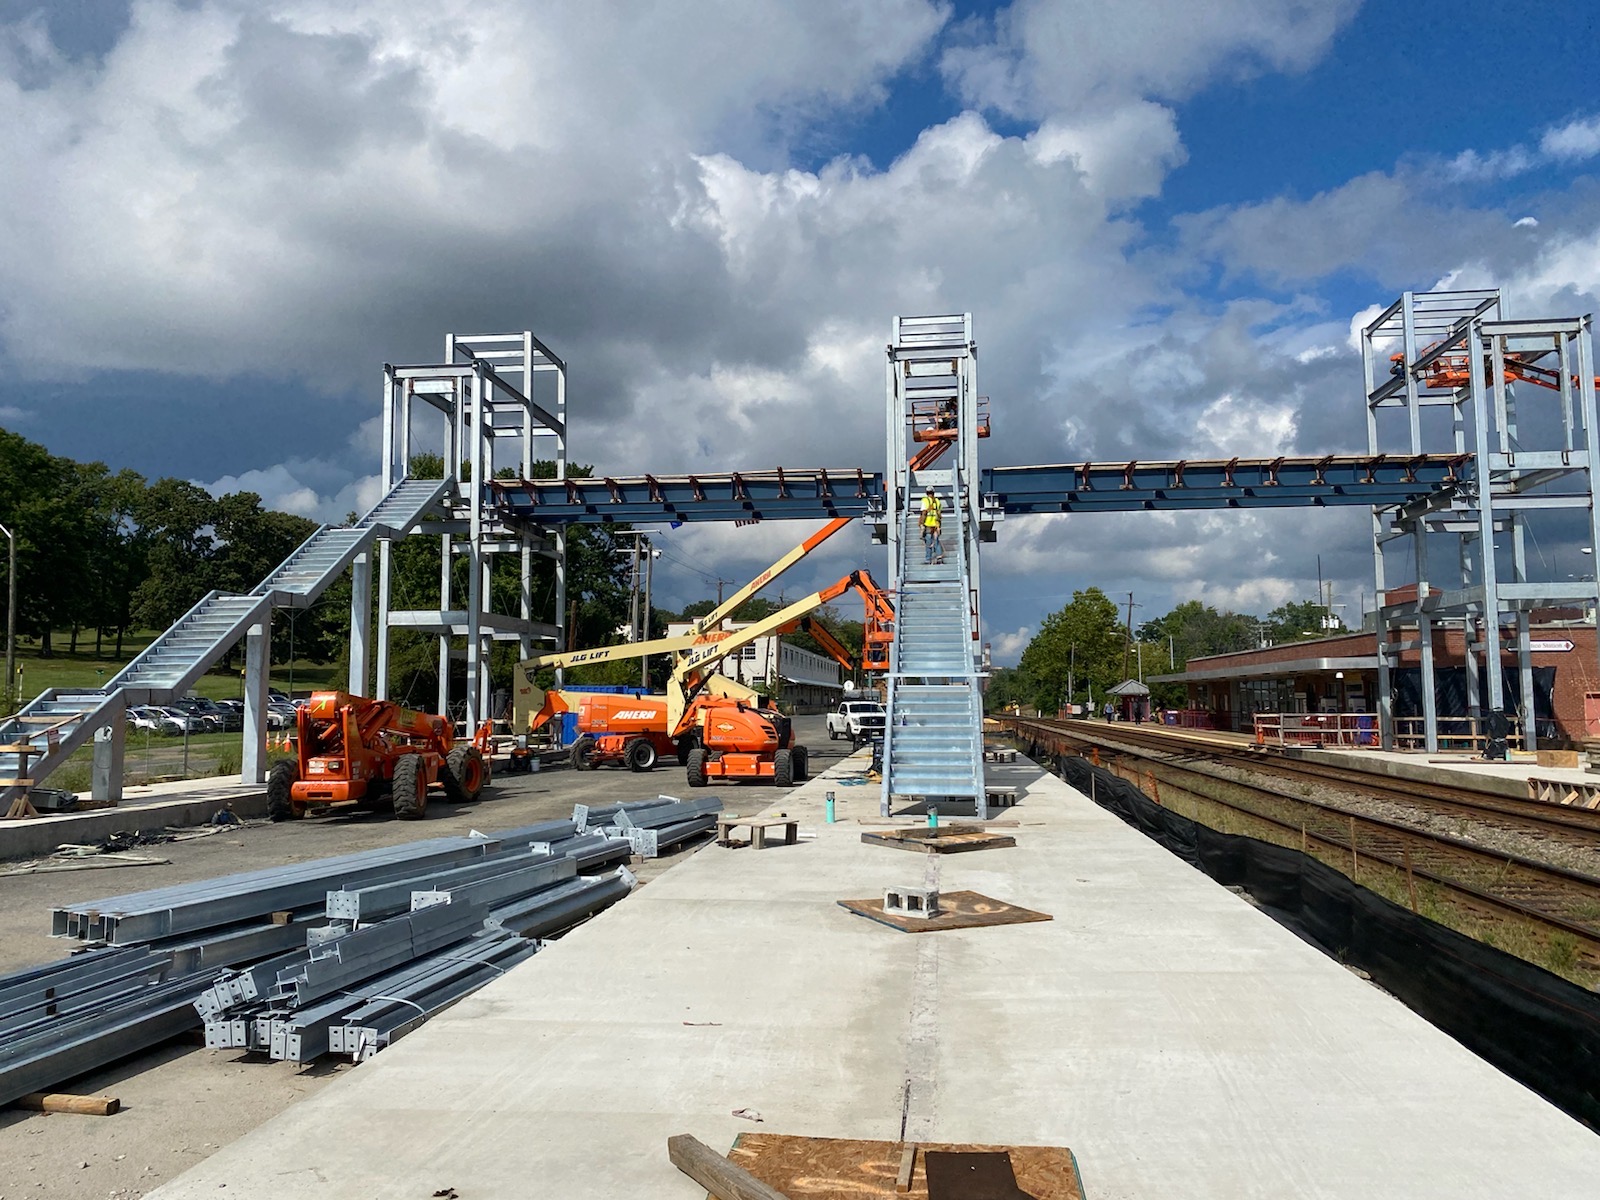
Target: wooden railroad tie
x: 716, y: 1174
x: 61, y: 1102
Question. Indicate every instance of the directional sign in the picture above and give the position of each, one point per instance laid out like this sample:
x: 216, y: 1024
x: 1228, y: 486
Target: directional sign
x: 1550, y: 645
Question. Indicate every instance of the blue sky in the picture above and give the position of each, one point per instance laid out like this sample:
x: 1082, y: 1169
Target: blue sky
x: 224, y: 216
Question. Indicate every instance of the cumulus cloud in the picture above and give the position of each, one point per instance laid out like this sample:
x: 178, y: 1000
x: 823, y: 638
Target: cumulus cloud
x: 1575, y: 141
x: 1040, y: 57
x: 298, y: 190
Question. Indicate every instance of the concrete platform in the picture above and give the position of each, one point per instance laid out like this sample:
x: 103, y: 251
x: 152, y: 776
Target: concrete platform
x: 154, y: 806
x: 1179, y: 1041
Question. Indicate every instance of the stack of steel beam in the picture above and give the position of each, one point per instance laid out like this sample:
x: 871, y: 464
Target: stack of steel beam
x: 163, y: 955
x: 651, y: 830
x: 231, y: 900
x: 650, y: 826
x: 587, y: 818
x: 69, y: 1017
x: 374, y: 973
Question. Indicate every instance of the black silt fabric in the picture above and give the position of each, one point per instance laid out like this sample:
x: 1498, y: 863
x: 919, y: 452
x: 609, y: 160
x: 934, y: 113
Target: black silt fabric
x: 1536, y: 1027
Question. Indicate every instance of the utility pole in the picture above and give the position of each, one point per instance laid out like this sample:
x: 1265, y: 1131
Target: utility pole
x: 1127, y: 646
x: 649, y: 574
x: 633, y: 606
x: 720, y: 582
x: 1072, y: 663
x: 11, y: 622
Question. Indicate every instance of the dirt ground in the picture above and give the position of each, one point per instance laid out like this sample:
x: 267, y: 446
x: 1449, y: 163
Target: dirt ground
x: 181, y: 1102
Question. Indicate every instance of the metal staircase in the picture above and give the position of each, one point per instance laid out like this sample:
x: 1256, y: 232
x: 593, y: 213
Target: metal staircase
x: 933, y: 740
x: 933, y: 736
x: 39, y: 738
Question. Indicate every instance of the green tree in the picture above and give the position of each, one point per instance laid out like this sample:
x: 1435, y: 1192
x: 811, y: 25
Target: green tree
x: 1192, y: 630
x: 1301, y: 619
x: 1083, y: 639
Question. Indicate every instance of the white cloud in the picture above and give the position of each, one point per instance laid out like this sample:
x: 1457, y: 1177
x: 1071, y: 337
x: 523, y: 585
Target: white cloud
x: 1576, y: 141
x: 1057, y: 56
x: 1124, y: 155
x: 299, y: 190
x: 1006, y: 648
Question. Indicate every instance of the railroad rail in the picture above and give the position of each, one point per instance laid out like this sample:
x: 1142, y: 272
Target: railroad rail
x: 1450, y: 875
x: 1577, y: 827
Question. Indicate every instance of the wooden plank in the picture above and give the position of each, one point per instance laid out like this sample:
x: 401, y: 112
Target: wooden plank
x: 16, y: 783
x: 61, y: 1102
x: 957, y: 910
x: 908, y: 1164
x: 804, y: 1168
x: 21, y: 809
x: 716, y: 1174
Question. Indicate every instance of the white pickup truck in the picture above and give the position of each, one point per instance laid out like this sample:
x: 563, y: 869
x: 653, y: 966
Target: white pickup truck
x: 856, y: 720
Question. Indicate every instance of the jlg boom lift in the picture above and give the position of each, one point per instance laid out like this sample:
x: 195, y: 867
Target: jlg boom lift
x: 745, y: 741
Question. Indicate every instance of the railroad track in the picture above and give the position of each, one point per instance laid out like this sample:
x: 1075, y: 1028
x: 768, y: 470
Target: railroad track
x: 1422, y: 867
x: 1576, y: 827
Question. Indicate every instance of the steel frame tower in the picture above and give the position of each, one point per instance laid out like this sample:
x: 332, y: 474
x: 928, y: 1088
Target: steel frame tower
x: 481, y: 407
x: 1534, y: 446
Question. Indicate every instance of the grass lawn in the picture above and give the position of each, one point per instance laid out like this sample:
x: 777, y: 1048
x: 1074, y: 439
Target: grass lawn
x: 84, y: 670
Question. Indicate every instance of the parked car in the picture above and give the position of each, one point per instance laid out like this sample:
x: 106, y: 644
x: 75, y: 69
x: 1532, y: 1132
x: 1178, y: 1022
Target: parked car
x: 856, y: 720
x: 226, y: 719
x: 209, y: 716
x: 175, y: 722
x: 281, y: 715
x: 143, y: 717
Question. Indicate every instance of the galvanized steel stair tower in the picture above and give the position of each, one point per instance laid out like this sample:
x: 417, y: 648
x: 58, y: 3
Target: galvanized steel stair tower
x: 933, y: 738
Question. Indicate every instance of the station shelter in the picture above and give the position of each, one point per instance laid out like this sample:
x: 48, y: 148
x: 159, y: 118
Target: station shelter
x: 1330, y: 685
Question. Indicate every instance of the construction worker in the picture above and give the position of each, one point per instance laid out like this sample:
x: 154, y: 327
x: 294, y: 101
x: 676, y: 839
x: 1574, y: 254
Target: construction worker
x: 932, y: 522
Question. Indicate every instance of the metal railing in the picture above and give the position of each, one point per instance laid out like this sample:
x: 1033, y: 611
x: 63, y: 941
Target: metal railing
x: 1360, y: 730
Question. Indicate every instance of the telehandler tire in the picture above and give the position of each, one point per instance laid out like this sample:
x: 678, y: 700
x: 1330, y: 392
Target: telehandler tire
x: 410, y: 788
x: 686, y: 745
x: 640, y: 754
x: 282, y: 777
x: 579, y: 754
x: 802, y: 764
x: 465, y: 773
x: 783, y: 769
x: 696, y: 767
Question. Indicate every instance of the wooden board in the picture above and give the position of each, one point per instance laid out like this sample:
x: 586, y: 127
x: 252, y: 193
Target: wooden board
x: 949, y: 839
x: 957, y: 910
x: 804, y: 1168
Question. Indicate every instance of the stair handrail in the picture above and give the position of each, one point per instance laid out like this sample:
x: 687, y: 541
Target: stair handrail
x: 149, y: 651
x: 262, y: 588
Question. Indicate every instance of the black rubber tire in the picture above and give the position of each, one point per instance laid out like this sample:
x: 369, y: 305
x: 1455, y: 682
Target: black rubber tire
x: 695, y: 767
x: 282, y: 777
x: 686, y: 745
x: 802, y: 764
x: 410, y: 790
x: 833, y: 734
x: 579, y: 754
x: 783, y: 768
x: 465, y: 773
x: 640, y: 754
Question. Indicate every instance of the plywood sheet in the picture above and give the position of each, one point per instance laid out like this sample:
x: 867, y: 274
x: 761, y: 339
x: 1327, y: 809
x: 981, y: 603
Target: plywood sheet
x: 953, y: 839
x: 805, y: 1168
x: 958, y: 910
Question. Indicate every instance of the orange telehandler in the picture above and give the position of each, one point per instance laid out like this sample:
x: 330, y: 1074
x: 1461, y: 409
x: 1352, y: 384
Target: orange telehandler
x: 356, y: 751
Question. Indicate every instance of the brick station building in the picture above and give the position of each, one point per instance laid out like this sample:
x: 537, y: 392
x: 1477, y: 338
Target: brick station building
x: 1340, y: 675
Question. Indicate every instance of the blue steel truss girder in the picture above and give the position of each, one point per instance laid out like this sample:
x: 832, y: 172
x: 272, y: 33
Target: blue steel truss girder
x: 794, y: 494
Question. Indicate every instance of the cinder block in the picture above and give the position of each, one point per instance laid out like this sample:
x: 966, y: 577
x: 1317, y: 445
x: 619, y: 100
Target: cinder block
x: 911, y: 901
